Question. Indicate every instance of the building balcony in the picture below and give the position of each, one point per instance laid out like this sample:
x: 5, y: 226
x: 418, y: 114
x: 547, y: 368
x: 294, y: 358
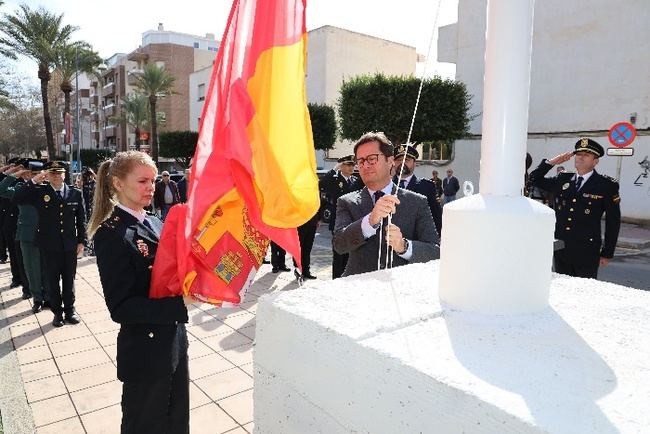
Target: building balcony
x: 108, y: 90
x: 138, y: 56
x: 110, y: 110
x: 110, y: 131
x: 132, y: 76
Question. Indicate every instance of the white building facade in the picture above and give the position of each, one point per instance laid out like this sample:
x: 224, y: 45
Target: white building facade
x: 588, y: 73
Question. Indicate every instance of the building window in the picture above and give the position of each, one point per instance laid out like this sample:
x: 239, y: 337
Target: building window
x: 201, y: 92
x: 196, y: 45
x: 438, y: 153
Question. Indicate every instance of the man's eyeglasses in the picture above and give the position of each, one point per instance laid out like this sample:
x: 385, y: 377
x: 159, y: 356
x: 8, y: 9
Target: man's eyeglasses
x: 370, y: 159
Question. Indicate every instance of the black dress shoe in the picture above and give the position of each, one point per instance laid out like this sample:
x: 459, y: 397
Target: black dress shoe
x: 72, y: 318
x: 26, y: 296
x: 309, y: 276
x: 284, y: 268
x: 37, y: 307
x: 14, y: 284
x: 266, y: 261
x: 58, y: 320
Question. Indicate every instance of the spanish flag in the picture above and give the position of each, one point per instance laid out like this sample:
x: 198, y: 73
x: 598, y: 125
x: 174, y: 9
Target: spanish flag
x: 254, y: 171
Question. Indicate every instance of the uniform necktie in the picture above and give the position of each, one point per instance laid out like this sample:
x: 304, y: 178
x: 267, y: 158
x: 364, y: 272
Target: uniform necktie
x: 60, y: 194
x: 402, y: 183
x: 579, y: 183
x: 377, y: 195
x: 148, y: 224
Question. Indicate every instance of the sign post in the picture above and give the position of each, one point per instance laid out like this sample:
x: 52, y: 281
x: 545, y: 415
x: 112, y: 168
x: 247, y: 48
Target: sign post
x: 621, y: 135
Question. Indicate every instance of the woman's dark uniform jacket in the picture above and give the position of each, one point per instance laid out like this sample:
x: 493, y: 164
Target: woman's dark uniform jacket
x: 152, y: 336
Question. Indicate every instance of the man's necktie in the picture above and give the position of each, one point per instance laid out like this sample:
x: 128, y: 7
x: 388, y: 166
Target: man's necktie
x: 402, y: 183
x: 60, y: 194
x: 377, y: 195
x: 579, y: 183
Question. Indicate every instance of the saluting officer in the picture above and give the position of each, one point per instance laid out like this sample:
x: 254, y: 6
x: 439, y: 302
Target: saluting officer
x: 581, y: 198
x: 61, y: 235
x: 408, y: 154
x: 337, y: 182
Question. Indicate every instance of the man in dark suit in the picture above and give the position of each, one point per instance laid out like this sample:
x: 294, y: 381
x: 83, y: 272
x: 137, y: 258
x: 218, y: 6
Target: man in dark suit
x: 165, y: 195
x: 337, y: 182
x: 581, y: 199
x: 407, y: 155
x: 450, y: 187
x: 182, y: 186
x: 61, y: 235
x: 361, y: 216
x: 437, y: 182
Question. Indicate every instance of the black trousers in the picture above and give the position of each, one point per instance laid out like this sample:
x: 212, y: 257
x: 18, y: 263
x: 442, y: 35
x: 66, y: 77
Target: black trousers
x: 338, y: 264
x: 306, y: 235
x: 3, y: 247
x: 158, y: 407
x: 20, y: 265
x: 576, y: 264
x: 10, y: 236
x: 60, y: 267
x: 278, y: 255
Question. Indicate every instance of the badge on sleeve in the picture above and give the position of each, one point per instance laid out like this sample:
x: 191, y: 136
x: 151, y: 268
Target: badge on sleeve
x: 565, y: 186
x: 46, y: 198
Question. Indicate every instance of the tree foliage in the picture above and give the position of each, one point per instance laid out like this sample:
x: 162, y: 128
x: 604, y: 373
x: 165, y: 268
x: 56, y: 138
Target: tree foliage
x: 94, y: 157
x: 179, y: 145
x: 39, y: 35
x: 323, y: 125
x: 386, y: 103
x: 155, y: 83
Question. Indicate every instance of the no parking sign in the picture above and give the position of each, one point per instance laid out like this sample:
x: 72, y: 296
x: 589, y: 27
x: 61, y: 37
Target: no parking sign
x: 621, y: 135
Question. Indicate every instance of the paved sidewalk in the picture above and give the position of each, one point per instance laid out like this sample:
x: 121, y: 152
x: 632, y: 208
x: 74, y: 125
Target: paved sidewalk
x: 68, y: 378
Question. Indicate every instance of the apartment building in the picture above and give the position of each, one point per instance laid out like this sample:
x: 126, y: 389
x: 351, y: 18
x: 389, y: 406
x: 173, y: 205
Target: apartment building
x: 333, y: 55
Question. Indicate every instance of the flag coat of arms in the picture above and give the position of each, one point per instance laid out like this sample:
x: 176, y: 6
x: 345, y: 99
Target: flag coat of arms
x: 254, y: 171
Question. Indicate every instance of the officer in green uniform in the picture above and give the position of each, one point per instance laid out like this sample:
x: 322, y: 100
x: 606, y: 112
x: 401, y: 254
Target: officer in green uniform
x: 581, y: 199
x: 16, y: 177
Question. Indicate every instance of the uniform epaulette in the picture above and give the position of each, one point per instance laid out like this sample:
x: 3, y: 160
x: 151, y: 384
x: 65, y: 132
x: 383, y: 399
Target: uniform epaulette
x: 609, y: 178
x: 111, y: 222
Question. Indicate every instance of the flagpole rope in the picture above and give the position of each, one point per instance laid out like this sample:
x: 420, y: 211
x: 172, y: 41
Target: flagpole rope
x: 389, y: 252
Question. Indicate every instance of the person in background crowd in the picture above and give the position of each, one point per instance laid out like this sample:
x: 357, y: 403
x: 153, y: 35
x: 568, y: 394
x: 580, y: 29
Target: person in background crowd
x: 306, y: 235
x: 165, y: 195
x: 9, y: 226
x: 26, y: 230
x: 361, y: 216
x: 182, y: 186
x: 152, y: 360
x: 88, y: 189
x: 61, y: 235
x: 438, y: 183
x: 450, y: 187
x: 337, y: 182
x: 278, y: 256
x: 581, y: 199
x: 408, y: 155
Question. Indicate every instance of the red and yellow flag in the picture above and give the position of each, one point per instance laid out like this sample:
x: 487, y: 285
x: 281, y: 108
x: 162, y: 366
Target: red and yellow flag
x: 254, y: 170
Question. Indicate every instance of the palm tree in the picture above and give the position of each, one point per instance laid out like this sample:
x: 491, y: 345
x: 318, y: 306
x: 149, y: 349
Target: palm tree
x: 37, y: 34
x: 72, y: 59
x: 134, y: 110
x: 155, y: 83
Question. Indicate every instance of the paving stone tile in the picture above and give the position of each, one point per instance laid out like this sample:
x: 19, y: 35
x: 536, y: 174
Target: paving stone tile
x: 210, y: 419
x: 239, y: 406
x: 239, y: 355
x: 208, y: 365
x: 49, y: 387
x: 71, y: 346
x: 85, y: 359
x: 104, y: 421
x: 35, y: 354
x: 38, y: 370
x: 226, y: 341
x: 97, y: 397
x: 52, y: 410
x: 68, y: 426
x: 224, y: 384
x: 89, y: 377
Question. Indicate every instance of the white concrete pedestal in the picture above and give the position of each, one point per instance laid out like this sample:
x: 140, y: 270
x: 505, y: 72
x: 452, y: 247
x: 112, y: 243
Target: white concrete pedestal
x: 496, y: 254
x: 376, y: 353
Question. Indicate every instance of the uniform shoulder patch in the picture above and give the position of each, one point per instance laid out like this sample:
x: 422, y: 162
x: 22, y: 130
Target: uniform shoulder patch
x: 111, y: 222
x: 611, y: 179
